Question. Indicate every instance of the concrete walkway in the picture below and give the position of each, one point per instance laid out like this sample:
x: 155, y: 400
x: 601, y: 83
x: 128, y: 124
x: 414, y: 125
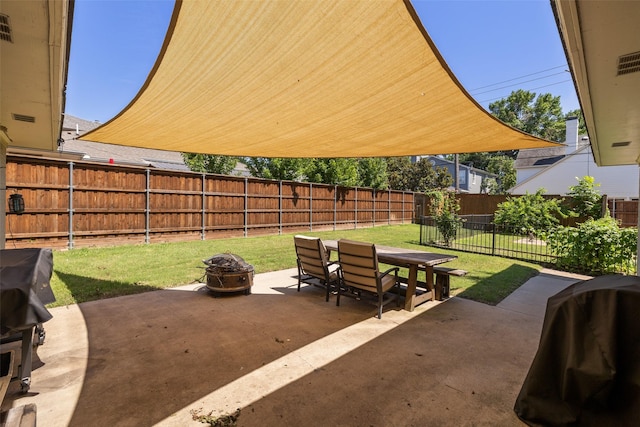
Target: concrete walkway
x: 285, y: 359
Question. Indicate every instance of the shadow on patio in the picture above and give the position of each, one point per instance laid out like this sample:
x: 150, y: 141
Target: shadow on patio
x: 285, y: 358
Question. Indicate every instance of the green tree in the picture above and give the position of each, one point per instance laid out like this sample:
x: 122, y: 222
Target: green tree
x: 503, y: 166
x: 337, y: 171
x: 372, y: 172
x: 420, y: 176
x: 541, y: 116
x: 425, y: 177
x: 586, y: 200
x: 209, y: 163
x: 398, y: 172
x: 283, y: 169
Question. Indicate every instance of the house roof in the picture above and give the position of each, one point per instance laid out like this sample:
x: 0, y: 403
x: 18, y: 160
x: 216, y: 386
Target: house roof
x: 558, y: 161
x: 539, y: 156
x: 74, y: 127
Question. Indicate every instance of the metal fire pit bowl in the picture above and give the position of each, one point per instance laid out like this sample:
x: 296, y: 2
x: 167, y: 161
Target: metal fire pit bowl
x: 229, y: 273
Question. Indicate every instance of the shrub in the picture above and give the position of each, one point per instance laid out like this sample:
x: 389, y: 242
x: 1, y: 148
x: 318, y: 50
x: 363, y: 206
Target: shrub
x: 444, y: 208
x: 531, y: 213
x: 595, y: 247
x: 586, y: 200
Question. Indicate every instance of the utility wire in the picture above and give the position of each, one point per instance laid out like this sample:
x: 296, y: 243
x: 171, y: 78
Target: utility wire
x: 518, y: 78
x: 535, y: 88
x: 516, y: 84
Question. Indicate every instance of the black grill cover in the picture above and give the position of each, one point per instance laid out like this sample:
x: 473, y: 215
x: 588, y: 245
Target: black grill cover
x: 24, y: 288
x: 587, y: 368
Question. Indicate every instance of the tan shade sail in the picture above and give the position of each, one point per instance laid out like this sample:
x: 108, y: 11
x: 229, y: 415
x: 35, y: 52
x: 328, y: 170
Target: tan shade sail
x: 293, y: 78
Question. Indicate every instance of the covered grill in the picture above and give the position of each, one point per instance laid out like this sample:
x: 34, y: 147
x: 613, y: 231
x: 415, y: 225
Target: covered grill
x: 229, y: 273
x: 24, y: 290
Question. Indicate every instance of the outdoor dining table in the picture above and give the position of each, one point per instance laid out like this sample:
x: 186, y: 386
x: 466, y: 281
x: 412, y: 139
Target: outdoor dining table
x: 414, y: 261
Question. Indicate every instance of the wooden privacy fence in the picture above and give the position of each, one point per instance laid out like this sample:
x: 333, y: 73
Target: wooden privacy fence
x: 626, y: 211
x: 77, y: 204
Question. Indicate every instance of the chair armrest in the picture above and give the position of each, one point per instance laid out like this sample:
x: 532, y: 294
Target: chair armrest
x: 396, y: 269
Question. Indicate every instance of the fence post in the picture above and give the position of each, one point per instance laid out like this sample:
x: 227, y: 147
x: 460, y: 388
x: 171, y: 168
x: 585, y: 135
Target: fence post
x: 355, y: 219
x: 493, y: 242
x: 246, y: 204
x: 373, y: 196
x: 403, y: 206
x: 204, y: 210
x: 280, y: 208
x: 335, y: 206
x: 389, y: 207
x: 147, y: 207
x: 311, y: 206
x: 603, y: 206
x: 70, y: 243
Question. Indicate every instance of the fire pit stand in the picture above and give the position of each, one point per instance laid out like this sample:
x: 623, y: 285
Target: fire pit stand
x: 228, y: 273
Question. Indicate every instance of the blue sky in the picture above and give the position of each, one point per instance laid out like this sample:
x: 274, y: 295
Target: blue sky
x: 493, y: 48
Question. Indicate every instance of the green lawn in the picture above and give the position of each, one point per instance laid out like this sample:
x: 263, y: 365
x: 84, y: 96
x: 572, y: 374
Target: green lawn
x: 82, y: 275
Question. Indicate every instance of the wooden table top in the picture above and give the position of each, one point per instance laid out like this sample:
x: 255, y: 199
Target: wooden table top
x: 402, y: 256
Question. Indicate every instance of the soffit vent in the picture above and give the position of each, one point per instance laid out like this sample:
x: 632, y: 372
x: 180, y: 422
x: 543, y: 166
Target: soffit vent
x: 621, y: 144
x: 5, y: 29
x: 629, y: 63
x: 23, y: 118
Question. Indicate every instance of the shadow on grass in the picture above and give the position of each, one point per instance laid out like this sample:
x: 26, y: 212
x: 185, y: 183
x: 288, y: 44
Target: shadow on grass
x: 493, y: 289
x: 84, y: 288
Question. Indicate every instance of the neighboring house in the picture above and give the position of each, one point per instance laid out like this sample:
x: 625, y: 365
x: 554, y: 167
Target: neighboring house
x: 73, y: 128
x: 470, y: 179
x: 556, y: 169
x: 74, y: 147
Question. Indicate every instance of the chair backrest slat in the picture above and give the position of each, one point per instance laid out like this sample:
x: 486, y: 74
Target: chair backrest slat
x: 312, y: 255
x: 359, y: 263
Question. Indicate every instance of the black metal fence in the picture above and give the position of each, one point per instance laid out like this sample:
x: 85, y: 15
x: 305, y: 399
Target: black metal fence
x: 478, y: 234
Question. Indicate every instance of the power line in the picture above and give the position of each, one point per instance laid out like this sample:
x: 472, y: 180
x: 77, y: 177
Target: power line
x: 535, y: 88
x: 516, y: 84
x: 518, y: 78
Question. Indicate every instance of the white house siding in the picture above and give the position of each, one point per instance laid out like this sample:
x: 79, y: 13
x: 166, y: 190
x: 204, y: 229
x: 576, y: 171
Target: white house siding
x: 525, y: 173
x: 619, y: 182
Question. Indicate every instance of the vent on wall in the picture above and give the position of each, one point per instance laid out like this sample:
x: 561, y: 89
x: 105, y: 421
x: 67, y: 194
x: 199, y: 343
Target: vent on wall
x: 5, y: 28
x: 629, y: 63
x: 23, y: 118
x: 620, y: 144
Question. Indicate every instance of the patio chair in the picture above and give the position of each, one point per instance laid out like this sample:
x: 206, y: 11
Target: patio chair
x: 314, y: 266
x: 359, y: 272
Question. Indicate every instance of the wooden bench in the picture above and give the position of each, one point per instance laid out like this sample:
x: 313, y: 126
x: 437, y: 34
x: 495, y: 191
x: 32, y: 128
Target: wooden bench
x: 442, y: 280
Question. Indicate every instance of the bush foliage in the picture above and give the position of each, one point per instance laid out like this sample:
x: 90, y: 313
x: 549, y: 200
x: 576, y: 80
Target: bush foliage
x: 586, y: 200
x: 444, y: 209
x: 531, y: 213
x: 594, y: 247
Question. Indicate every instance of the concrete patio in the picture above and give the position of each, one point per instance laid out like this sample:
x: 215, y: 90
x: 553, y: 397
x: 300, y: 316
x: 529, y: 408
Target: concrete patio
x: 286, y: 358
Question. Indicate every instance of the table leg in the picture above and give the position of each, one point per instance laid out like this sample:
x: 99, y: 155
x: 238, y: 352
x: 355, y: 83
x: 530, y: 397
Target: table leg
x: 412, y: 282
x: 412, y: 300
x: 429, y: 273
